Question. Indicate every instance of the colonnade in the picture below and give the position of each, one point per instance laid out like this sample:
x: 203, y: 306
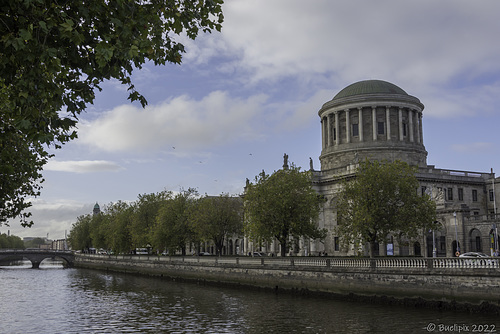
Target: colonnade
x: 332, y: 135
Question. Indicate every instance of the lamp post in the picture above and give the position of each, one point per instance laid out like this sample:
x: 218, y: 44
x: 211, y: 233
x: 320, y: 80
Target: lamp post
x: 456, y: 234
x: 433, y: 244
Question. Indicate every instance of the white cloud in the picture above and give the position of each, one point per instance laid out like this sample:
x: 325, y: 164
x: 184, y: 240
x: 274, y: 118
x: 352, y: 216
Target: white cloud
x: 426, y: 41
x: 53, y: 217
x: 83, y: 166
x: 180, y: 122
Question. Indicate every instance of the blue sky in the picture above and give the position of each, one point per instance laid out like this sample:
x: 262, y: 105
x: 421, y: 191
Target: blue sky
x: 244, y: 97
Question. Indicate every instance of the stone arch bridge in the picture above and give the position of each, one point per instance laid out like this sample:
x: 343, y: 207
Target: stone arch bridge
x: 36, y: 256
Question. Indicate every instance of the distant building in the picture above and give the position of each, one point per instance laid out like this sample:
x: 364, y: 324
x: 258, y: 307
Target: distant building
x: 97, y: 209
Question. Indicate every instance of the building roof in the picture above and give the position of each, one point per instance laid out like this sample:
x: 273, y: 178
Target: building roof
x: 370, y: 87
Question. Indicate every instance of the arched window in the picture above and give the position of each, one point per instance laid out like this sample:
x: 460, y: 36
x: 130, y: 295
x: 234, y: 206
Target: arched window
x: 475, y: 241
x: 417, y: 249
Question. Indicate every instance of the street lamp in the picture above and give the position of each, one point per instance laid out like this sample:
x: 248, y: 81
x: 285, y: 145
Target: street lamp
x: 434, y: 251
x: 456, y: 235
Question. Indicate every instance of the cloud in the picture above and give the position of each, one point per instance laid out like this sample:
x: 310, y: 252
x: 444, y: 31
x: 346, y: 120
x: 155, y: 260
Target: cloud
x: 83, y: 166
x: 53, y: 217
x: 426, y: 41
x: 181, y: 122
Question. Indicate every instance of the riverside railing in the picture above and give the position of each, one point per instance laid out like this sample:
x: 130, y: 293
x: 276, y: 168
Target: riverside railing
x: 492, y: 263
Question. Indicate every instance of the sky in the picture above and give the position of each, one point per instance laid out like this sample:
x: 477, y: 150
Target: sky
x: 245, y: 96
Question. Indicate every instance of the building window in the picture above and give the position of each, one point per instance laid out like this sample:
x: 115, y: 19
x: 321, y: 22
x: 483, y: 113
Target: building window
x: 380, y: 128
x: 355, y: 130
x: 423, y: 189
x: 460, y: 194
x: 492, y: 197
x: 474, y: 195
x: 336, y: 243
x: 405, y: 129
x: 334, y: 134
x: 450, y: 194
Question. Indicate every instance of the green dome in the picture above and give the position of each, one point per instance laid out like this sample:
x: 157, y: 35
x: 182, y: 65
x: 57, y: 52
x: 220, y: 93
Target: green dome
x: 370, y: 87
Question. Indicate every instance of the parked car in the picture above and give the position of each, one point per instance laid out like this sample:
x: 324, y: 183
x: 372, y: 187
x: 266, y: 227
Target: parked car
x: 473, y: 255
x: 470, y: 256
x: 204, y: 254
x: 257, y: 254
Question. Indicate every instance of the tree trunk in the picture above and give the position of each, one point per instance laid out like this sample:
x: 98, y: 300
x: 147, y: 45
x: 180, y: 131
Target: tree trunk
x: 283, y: 248
x: 372, y: 249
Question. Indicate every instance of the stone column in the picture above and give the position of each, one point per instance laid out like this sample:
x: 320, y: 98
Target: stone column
x: 388, y: 122
x: 337, y: 127
x: 323, y: 132
x: 347, y: 127
x: 329, y: 131
x: 419, y: 127
x: 360, y: 124
x: 410, y: 125
x: 400, y: 115
x: 374, y: 123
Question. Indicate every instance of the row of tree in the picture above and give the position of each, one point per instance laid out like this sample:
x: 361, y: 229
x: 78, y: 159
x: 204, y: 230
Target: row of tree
x: 281, y: 206
x: 11, y: 242
x: 165, y: 221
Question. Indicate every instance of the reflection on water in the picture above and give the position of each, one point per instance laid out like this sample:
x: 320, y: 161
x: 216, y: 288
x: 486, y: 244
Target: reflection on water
x: 85, y: 301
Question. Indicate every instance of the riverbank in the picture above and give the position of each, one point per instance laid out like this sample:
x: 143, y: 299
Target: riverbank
x: 438, y: 283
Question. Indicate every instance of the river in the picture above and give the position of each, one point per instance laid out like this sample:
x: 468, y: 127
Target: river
x: 56, y: 300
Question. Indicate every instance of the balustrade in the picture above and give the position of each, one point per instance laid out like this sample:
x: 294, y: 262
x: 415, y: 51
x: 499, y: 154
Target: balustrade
x: 321, y: 262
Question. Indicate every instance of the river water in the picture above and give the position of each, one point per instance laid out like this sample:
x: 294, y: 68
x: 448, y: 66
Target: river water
x: 56, y: 300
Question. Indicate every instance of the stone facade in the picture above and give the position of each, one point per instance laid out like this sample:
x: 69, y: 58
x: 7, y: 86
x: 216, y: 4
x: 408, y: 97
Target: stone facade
x: 378, y: 120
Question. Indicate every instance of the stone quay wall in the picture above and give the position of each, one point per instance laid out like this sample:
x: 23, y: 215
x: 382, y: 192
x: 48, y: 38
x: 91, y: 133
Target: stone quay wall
x: 443, y: 282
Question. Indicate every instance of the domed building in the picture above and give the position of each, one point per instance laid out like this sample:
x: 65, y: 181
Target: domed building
x: 378, y: 120
x: 371, y: 119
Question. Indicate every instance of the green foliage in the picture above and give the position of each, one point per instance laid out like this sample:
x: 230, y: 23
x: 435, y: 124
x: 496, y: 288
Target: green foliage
x: 11, y: 242
x: 79, y: 235
x: 34, y: 243
x: 55, y: 54
x: 144, y: 216
x: 172, y: 230
x: 119, y: 237
x: 383, y: 199
x: 162, y: 220
x: 282, y: 206
x: 21, y: 163
x: 217, y: 218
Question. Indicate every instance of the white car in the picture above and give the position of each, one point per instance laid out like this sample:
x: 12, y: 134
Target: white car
x: 481, y: 258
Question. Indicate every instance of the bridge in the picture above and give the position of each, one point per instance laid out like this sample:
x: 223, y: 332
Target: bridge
x: 36, y: 256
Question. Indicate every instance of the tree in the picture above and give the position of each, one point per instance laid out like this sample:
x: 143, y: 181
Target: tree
x: 35, y: 243
x: 382, y: 199
x: 172, y: 230
x: 55, y: 54
x: 282, y: 206
x: 217, y: 218
x: 79, y: 235
x: 21, y: 163
x: 120, y: 218
x: 11, y: 241
x: 143, y: 219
